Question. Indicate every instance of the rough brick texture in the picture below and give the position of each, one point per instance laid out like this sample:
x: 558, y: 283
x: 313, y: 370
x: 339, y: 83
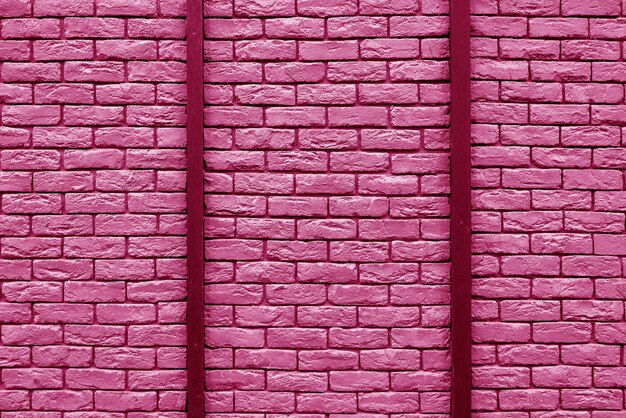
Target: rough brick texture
x: 326, y: 194
x: 328, y: 255
x: 549, y: 206
x: 92, y: 219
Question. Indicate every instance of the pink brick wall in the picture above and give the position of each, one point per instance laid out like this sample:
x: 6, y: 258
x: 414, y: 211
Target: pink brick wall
x: 92, y: 220
x: 326, y: 191
x: 327, y: 281
x: 549, y: 207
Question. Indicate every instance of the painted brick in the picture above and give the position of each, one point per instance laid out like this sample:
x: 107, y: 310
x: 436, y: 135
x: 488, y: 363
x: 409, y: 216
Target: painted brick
x: 326, y: 195
x: 545, y: 305
x: 81, y: 294
x: 334, y: 144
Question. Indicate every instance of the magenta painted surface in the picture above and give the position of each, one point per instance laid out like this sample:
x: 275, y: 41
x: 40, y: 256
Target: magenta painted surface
x: 327, y: 208
x: 92, y: 252
x: 329, y: 259
x: 548, y: 195
x: 328, y: 263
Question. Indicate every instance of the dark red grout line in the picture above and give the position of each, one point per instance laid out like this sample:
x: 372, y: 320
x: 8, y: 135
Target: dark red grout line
x: 460, y: 207
x: 195, y: 213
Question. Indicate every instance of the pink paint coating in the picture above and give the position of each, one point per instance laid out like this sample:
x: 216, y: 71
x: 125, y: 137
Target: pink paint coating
x: 327, y: 209
x: 92, y: 220
x: 548, y: 200
x: 327, y: 152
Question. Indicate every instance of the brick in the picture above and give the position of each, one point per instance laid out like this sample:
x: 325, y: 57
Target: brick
x: 262, y: 50
x: 363, y: 27
x: 121, y: 401
x: 15, y: 9
x: 62, y: 50
x: 92, y: 27
x: 32, y: 28
x: 553, y: 27
x: 592, y: 8
x: 529, y: 7
x: 389, y: 402
x: 565, y: 71
x: 333, y: 8
x: 62, y: 356
x: 94, y: 71
x: 417, y: 71
x: 327, y: 50
x: 511, y: 400
x: 296, y: 27
x: 498, y: 26
x: 63, y: 400
x: 293, y: 72
x: 265, y: 8
x: 31, y: 114
x: 123, y: 8
x: 592, y: 398
x: 377, y: 7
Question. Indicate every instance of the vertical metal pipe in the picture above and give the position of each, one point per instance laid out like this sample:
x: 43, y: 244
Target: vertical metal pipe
x: 195, y: 213
x: 460, y: 206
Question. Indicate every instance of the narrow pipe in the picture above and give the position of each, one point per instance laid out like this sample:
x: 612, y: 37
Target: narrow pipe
x: 460, y: 207
x: 195, y: 213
